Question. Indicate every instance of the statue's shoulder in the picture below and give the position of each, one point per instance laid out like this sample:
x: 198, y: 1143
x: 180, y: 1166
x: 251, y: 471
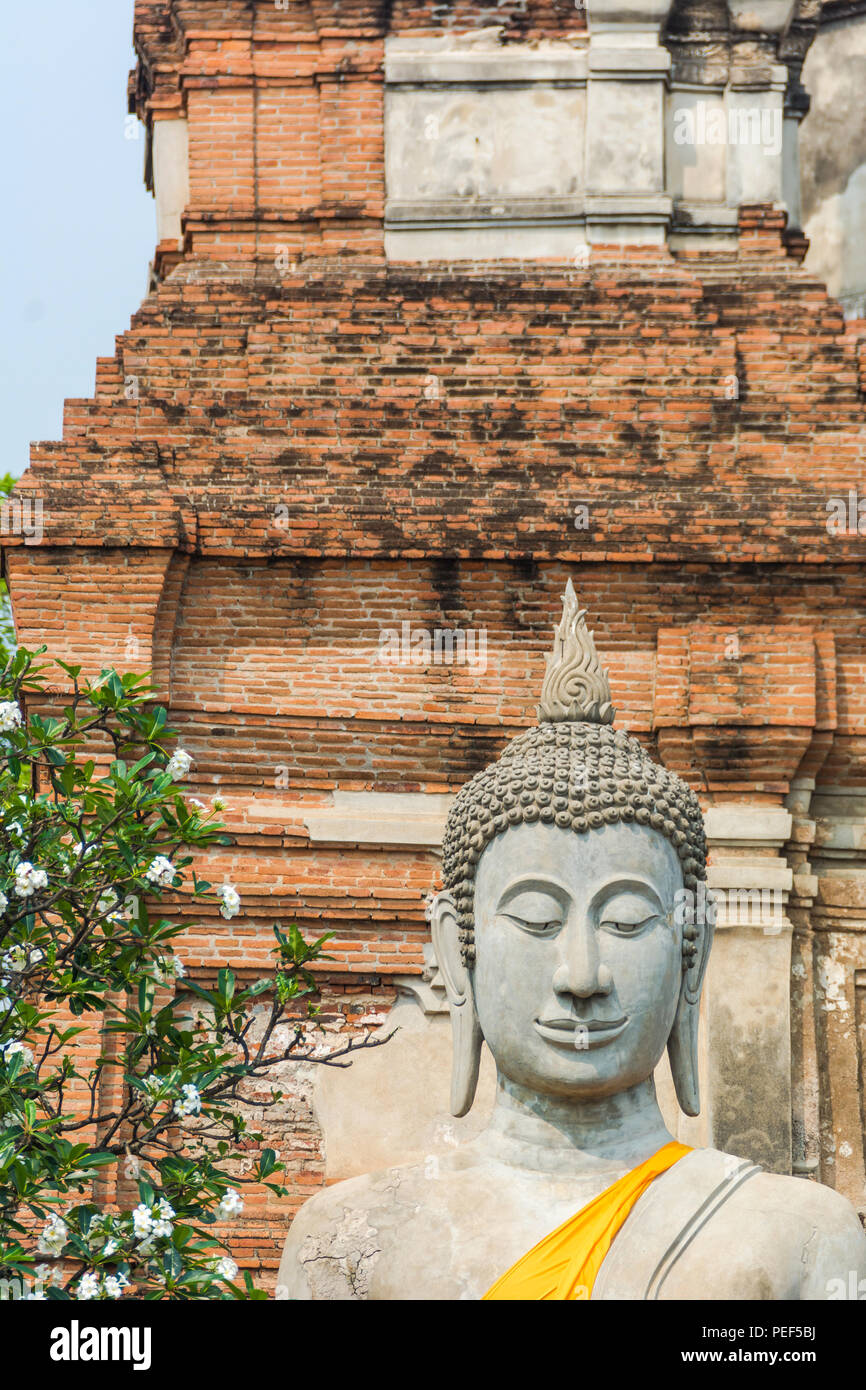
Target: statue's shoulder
x: 798, y: 1237
x: 340, y: 1234
x: 716, y: 1225
x: 789, y: 1203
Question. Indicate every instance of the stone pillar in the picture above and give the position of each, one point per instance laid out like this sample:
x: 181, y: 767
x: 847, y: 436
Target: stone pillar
x: 747, y: 1042
x: 805, y: 1083
x: 838, y: 983
x: 756, y: 132
x: 763, y: 165
x: 627, y: 75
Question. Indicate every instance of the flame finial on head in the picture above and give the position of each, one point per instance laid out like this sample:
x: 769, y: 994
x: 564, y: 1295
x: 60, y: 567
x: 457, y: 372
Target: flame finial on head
x: 576, y: 687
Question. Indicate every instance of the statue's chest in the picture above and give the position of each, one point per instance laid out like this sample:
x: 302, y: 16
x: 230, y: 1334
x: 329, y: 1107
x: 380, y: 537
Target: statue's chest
x: 457, y: 1242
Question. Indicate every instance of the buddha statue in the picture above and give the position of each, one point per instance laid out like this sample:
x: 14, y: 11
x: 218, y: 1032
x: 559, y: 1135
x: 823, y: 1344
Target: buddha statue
x: 569, y: 942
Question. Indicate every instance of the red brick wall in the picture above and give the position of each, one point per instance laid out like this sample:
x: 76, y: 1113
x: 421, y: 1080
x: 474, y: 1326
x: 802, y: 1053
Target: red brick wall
x: 280, y: 462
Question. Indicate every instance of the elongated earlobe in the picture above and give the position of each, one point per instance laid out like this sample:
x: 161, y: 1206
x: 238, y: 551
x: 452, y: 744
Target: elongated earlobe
x: 683, y: 1054
x: 683, y: 1040
x: 466, y: 1036
x: 466, y: 1041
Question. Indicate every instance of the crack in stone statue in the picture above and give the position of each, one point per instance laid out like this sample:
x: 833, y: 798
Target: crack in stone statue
x: 559, y: 947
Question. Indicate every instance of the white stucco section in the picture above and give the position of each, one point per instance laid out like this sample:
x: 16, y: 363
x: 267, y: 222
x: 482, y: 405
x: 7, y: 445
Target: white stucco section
x: 493, y: 142
x: 833, y: 161
x: 484, y: 147
x: 837, y: 235
x: 170, y: 176
x: 410, y: 819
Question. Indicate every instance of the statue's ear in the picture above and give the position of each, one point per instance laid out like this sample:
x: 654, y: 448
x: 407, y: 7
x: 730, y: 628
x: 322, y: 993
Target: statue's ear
x: 465, y: 1030
x: 698, y: 930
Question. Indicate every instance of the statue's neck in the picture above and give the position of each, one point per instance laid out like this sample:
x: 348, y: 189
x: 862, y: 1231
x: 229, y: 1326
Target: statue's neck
x: 575, y: 1138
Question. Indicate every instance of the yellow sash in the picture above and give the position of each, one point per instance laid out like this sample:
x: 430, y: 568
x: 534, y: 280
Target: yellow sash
x: 564, y: 1265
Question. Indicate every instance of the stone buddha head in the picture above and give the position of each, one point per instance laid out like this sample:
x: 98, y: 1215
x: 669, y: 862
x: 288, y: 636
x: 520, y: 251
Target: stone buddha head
x: 563, y: 933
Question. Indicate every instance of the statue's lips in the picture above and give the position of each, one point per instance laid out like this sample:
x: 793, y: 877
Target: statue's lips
x: 580, y: 1033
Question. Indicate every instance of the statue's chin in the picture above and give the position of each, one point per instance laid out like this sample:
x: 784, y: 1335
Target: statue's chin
x: 582, y: 1077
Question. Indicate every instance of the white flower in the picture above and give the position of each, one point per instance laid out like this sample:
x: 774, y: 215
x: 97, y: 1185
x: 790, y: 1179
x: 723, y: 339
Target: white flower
x: 231, y: 1204
x: 193, y: 801
x: 218, y: 803
x: 178, y: 764
x: 36, y: 1294
x: 229, y: 900
x: 226, y: 1268
x: 53, y: 1237
x: 110, y: 1246
x: 142, y: 1221
x: 9, y: 1049
x: 161, y: 872
x: 114, y: 1284
x: 153, y: 1092
x: 168, y: 968
x: 19, y: 957
x: 162, y: 1218
x: 10, y: 716
x: 4, y: 902
x: 14, y: 828
x: 88, y: 1286
x: 190, y: 1101
x: 28, y: 879
x: 108, y: 902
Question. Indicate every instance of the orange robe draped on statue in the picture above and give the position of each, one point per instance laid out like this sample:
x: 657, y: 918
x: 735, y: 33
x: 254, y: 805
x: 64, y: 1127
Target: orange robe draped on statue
x: 565, y: 1264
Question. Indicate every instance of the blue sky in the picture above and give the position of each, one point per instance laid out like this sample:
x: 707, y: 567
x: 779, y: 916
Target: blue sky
x: 78, y: 227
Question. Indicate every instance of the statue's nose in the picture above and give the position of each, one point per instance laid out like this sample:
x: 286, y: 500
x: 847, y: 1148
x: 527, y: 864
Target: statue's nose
x: 581, y: 971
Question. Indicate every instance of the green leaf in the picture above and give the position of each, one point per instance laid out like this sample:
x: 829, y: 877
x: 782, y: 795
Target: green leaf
x: 226, y: 984
x: 267, y: 1163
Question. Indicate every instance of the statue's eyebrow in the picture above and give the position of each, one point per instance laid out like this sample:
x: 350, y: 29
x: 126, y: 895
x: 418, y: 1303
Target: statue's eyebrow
x: 603, y: 895
x: 532, y: 883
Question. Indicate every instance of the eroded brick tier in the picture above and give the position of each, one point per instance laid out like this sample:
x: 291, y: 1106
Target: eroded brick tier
x: 298, y: 445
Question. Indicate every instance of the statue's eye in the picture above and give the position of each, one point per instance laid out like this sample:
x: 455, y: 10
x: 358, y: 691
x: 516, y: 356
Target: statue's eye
x: 627, y: 913
x: 625, y: 928
x: 541, y: 928
x: 534, y: 912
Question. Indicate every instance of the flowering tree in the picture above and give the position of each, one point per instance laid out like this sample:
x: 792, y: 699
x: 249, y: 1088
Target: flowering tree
x: 93, y: 832
x: 7, y: 629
